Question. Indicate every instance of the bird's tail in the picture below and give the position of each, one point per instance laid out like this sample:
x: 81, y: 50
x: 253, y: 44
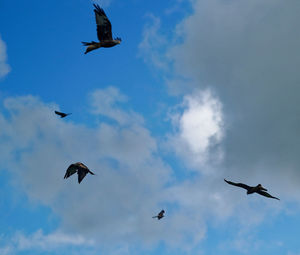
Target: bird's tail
x: 155, y: 217
x: 88, y: 43
x: 91, y: 46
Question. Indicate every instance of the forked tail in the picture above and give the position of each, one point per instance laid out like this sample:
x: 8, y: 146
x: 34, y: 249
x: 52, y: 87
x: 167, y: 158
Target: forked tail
x: 90, y: 46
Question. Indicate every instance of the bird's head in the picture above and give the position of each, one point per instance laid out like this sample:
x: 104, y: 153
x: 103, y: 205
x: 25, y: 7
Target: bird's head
x: 261, y: 187
x: 118, y: 40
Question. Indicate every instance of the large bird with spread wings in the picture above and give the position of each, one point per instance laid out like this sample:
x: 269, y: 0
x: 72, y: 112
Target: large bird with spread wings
x: 103, y: 32
x: 252, y: 189
x: 160, y: 215
x: 62, y: 114
x: 79, y: 168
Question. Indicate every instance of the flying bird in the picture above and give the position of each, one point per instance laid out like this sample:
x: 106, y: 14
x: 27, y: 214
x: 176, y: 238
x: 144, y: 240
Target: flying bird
x: 81, y: 170
x: 103, y: 32
x: 252, y: 189
x: 160, y: 215
x: 61, y: 114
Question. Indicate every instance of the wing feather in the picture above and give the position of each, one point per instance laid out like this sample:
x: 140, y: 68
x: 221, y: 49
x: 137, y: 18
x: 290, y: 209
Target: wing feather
x: 81, y: 174
x: 263, y: 193
x: 241, y: 185
x: 103, y: 24
x: 72, y: 169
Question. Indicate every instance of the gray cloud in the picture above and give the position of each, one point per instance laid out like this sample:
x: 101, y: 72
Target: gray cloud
x: 247, y: 53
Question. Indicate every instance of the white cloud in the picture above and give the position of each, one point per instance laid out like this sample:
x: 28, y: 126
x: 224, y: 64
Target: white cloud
x: 199, y: 128
x: 4, y: 67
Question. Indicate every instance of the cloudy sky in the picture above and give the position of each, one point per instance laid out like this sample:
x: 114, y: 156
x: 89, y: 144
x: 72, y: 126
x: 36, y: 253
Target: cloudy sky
x: 198, y: 91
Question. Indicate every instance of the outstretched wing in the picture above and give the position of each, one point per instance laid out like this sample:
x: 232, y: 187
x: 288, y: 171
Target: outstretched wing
x: 72, y: 169
x: 62, y: 114
x: 263, y: 193
x: 59, y: 113
x: 81, y: 174
x: 241, y: 185
x: 91, y: 172
x: 103, y: 24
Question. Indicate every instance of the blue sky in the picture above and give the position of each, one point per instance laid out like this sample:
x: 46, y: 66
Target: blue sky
x: 197, y: 91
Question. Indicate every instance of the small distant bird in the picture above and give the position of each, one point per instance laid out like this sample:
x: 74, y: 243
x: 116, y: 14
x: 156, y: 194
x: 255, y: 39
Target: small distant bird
x: 103, y: 32
x: 256, y: 189
x: 61, y: 114
x: 81, y: 170
x: 160, y: 215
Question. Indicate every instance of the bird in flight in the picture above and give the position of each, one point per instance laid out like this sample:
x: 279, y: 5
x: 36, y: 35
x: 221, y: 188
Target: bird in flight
x: 81, y: 170
x: 103, y: 32
x: 61, y: 114
x: 160, y: 215
x: 252, y: 189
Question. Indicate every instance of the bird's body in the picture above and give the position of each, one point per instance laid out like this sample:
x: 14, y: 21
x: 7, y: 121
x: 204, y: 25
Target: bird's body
x: 259, y: 189
x: 79, y: 168
x: 62, y: 114
x: 104, y: 32
x: 160, y: 215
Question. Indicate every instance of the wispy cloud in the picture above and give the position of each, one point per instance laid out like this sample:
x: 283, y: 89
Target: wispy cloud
x: 153, y: 43
x: 4, y: 67
x: 39, y: 241
x: 106, y: 102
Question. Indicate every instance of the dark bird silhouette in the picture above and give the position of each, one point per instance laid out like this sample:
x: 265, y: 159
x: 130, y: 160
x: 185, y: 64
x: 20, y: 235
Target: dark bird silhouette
x: 160, y: 215
x: 252, y: 189
x: 103, y: 32
x: 81, y: 170
x: 61, y: 114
